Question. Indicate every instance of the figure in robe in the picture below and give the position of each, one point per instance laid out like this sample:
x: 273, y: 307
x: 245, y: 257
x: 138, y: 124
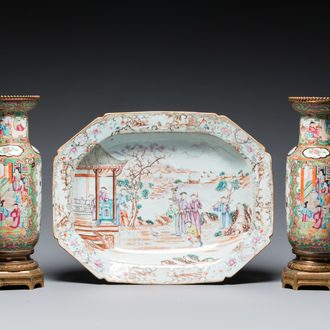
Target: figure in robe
x: 313, y: 130
x: 19, y: 126
x: 306, y: 215
x: 183, y: 216
x: 21, y: 222
x: 124, y: 217
x: 120, y: 204
x: 92, y: 204
x: 21, y: 192
x: 104, y: 198
x: 4, y: 129
x: 103, y: 195
x: 24, y: 191
x: 173, y: 212
x: 327, y: 193
x: 16, y: 215
x: 16, y: 179
x: 318, y: 217
x: 320, y: 186
x: 223, y: 208
x: 195, y: 217
x: 4, y: 213
x: 193, y: 232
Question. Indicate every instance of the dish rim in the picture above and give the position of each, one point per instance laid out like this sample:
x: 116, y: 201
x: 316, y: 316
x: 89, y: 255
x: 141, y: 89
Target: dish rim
x: 221, y: 118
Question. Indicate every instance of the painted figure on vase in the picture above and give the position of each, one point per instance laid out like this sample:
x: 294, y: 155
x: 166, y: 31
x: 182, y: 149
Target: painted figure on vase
x: 4, y: 129
x: 19, y: 126
x: 321, y: 186
x: 313, y: 130
x: 306, y: 215
x: 16, y: 179
x: 327, y: 193
x: 21, y: 192
x: 4, y: 213
x: 16, y: 215
x: 318, y: 217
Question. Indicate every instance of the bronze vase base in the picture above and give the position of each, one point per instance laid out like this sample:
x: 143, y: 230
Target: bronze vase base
x: 18, y: 269
x: 307, y: 269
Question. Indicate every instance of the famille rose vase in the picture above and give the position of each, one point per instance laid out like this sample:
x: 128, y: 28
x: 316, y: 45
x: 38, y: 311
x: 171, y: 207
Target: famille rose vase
x: 308, y: 194
x: 20, y: 194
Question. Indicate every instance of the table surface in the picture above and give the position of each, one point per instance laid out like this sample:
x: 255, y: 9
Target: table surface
x: 74, y: 298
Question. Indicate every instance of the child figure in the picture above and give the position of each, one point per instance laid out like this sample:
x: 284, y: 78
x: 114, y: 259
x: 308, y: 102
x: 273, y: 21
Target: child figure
x: 192, y: 232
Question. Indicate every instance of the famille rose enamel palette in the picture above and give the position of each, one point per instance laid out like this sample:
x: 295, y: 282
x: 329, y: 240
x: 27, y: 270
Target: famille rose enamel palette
x: 163, y: 197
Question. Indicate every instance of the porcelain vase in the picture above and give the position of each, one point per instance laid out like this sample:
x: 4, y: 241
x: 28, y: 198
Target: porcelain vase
x: 20, y: 194
x: 308, y: 195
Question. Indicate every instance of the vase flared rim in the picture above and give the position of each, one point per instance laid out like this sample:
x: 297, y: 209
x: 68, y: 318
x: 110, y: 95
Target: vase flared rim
x: 309, y: 99
x: 13, y: 98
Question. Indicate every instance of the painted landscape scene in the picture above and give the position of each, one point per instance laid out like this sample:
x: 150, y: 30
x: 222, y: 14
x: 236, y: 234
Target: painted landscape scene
x: 154, y: 192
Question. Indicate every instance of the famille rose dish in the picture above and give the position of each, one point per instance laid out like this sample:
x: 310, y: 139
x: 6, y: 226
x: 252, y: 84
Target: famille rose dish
x: 163, y: 197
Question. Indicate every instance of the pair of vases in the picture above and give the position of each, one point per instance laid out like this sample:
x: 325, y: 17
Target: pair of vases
x: 307, y: 195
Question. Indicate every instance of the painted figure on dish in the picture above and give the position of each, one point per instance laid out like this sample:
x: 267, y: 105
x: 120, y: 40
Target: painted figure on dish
x: 124, y: 217
x: 183, y: 216
x: 195, y: 206
x: 104, y: 197
x: 193, y: 232
x: 223, y: 208
x: 173, y: 212
x: 120, y: 204
x: 92, y: 205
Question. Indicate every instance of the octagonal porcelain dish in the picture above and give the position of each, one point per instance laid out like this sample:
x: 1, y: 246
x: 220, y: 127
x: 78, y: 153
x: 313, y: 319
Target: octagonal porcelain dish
x: 163, y: 197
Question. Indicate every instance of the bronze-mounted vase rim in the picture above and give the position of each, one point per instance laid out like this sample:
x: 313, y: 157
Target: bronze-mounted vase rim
x: 13, y: 254
x: 311, y: 254
x: 309, y: 99
x: 13, y: 98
